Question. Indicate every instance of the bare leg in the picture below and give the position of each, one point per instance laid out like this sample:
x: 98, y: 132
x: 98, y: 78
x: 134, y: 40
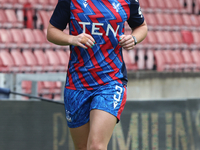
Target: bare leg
x: 101, y: 127
x: 80, y: 136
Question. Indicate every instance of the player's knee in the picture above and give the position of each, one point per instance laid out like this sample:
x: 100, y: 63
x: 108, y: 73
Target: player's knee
x: 96, y: 146
x: 80, y: 147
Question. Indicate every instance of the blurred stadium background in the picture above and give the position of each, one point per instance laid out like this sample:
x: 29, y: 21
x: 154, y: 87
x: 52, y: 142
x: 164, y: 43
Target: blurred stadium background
x: 163, y: 71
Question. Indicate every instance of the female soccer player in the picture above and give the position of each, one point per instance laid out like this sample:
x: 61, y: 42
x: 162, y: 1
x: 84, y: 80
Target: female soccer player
x: 95, y: 92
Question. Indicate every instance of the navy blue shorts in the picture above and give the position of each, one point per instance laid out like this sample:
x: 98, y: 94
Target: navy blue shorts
x: 78, y: 104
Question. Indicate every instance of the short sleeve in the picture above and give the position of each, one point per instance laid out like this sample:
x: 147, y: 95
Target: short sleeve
x: 136, y: 17
x: 61, y: 14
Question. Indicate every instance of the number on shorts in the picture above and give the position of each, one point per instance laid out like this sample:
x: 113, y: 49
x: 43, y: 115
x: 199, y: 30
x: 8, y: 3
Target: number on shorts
x: 119, y: 93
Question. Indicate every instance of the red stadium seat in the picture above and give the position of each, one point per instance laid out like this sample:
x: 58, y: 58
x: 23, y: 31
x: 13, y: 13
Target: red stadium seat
x: 58, y: 84
x: 170, y: 64
x: 152, y: 39
x: 23, y: 1
x: 12, y: 18
x: 188, y: 59
x: 6, y: 39
x: 3, y: 68
x: 196, y: 37
x: 178, y: 40
x: 43, y: 61
x: 46, y: 4
x: 51, y: 87
x: 159, y: 61
x: 5, y: 4
x: 141, y: 59
x: 44, y: 90
x: 150, y: 59
x: 172, y: 4
x: 41, y: 89
x: 178, y: 58
x: 178, y: 20
x: 195, y: 22
x: 132, y: 54
x: 36, y: 4
x: 177, y: 37
x: 18, y: 38
x: 131, y: 59
x: 160, y: 4
x: 14, y: 4
x: 64, y: 57
x: 28, y: 13
x: 160, y: 39
x: 41, y: 38
x: 30, y: 38
x: 54, y: 60
x: 127, y: 61
x: 188, y: 6
x: 47, y: 96
x: 144, y: 4
x: 152, y: 4
x: 31, y: 60
x: 177, y: 5
x: 160, y: 19
x: 169, y: 21
x: 143, y: 45
x: 20, y: 60
x: 45, y: 18
x: 151, y: 20
x: 26, y: 87
x: 57, y: 97
x: 7, y: 60
x: 196, y: 58
x: 186, y: 20
x: 198, y: 6
x: 48, y: 89
x: 169, y: 40
x: 4, y: 23
x: 187, y: 37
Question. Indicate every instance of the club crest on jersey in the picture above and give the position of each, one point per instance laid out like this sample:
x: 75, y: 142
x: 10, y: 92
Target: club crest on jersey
x: 116, y: 6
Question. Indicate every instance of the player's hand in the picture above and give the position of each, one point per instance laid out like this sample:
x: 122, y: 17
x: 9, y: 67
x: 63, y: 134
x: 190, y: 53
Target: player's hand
x: 126, y: 42
x: 83, y: 40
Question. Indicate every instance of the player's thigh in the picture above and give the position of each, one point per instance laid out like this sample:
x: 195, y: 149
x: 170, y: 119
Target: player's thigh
x: 80, y: 136
x: 101, y: 127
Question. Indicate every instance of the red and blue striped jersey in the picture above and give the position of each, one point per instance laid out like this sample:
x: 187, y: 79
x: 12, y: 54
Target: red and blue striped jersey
x: 104, y: 21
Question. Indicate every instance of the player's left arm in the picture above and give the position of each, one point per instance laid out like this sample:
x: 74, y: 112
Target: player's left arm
x: 138, y: 25
x: 140, y: 32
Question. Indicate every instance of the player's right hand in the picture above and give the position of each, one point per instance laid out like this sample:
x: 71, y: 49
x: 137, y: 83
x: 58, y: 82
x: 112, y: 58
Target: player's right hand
x: 83, y: 40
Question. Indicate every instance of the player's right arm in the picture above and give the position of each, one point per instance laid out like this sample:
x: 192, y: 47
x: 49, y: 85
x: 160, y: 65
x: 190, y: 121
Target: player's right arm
x: 57, y: 36
x: 138, y: 25
x: 58, y: 22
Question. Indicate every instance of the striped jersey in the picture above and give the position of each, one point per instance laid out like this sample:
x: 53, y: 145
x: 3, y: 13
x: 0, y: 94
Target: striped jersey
x: 104, y: 21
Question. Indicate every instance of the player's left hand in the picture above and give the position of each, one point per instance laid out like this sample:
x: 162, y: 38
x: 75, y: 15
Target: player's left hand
x: 126, y: 42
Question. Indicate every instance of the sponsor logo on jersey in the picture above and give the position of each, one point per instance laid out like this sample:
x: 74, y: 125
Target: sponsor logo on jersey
x: 96, y: 27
